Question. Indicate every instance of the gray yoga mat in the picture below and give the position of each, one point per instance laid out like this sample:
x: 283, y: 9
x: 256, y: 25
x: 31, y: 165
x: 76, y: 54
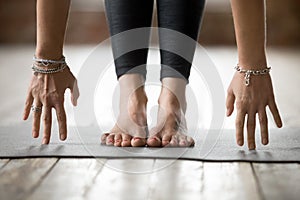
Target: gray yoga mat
x: 211, y: 145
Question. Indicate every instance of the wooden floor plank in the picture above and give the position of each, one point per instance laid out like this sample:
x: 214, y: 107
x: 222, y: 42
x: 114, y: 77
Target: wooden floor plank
x: 229, y: 181
x: 69, y: 179
x: 176, y: 179
x: 20, y: 176
x: 279, y: 181
x: 3, y: 162
x: 123, y: 179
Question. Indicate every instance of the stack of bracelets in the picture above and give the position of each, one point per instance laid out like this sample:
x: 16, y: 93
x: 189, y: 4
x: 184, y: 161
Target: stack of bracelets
x: 41, y: 65
x: 250, y: 72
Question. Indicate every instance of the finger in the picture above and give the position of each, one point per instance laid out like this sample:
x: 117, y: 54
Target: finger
x: 74, y: 92
x: 36, y: 120
x: 62, y: 120
x: 251, y: 130
x: 263, y: 121
x: 275, y: 113
x: 47, y: 119
x: 28, y: 104
x: 230, y: 103
x: 239, y: 126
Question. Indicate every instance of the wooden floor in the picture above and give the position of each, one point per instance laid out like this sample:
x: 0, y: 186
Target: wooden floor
x: 52, y: 178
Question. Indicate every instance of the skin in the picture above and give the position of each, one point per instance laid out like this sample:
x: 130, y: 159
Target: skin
x: 252, y: 100
x: 171, y: 128
x: 47, y: 90
x: 131, y: 127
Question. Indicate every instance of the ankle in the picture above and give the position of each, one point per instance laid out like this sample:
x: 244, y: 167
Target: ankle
x: 139, y: 95
x: 169, y: 100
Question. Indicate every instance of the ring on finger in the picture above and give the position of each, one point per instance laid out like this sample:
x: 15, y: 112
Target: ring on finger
x: 36, y: 108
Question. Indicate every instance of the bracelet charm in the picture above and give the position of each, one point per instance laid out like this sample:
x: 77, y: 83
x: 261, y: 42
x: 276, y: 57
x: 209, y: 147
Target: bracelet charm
x: 250, y: 72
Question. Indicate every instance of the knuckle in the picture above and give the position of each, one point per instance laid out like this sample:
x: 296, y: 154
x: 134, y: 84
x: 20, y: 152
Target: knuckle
x: 27, y: 103
x: 46, y: 118
x: 60, y: 118
x: 262, y: 119
x: 241, y: 104
x: 239, y: 124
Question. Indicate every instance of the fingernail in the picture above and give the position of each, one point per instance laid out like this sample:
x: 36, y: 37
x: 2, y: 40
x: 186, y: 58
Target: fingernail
x: 34, y: 134
x: 265, y: 141
x: 62, y: 136
x: 240, y: 142
x: 44, y: 141
x: 252, y: 146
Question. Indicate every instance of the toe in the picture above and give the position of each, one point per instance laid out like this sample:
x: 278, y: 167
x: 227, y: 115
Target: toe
x: 166, y: 139
x: 103, y: 138
x: 110, y: 139
x: 138, y: 142
x: 174, y: 141
x: 183, y: 141
x: 190, y: 141
x: 154, y: 141
x: 126, y: 140
x: 118, y: 140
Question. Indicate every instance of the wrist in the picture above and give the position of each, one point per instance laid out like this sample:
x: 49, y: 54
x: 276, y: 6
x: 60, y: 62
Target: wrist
x: 47, y: 52
x: 253, y: 60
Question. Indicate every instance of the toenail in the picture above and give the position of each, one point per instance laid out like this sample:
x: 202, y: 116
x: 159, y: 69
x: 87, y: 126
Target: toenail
x: 137, y: 138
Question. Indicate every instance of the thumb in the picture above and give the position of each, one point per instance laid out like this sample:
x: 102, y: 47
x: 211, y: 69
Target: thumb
x: 74, y: 92
x: 230, y: 103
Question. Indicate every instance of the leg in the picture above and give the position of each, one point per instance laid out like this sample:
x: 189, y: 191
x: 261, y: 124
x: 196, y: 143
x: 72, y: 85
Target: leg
x: 183, y: 17
x: 124, y: 15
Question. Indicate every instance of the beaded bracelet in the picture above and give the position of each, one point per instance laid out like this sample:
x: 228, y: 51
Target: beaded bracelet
x: 250, y: 72
x: 46, y: 62
x: 40, y: 64
x: 60, y: 68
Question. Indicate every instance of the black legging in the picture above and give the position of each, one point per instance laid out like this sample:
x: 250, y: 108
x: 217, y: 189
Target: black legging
x: 183, y: 16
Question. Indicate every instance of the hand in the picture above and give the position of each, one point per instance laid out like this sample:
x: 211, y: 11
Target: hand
x: 47, y: 91
x: 251, y: 100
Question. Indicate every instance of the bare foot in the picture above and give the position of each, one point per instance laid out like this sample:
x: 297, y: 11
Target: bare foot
x: 171, y: 126
x: 131, y: 126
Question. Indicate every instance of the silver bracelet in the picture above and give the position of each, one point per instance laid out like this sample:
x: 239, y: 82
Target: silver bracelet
x: 46, y: 62
x: 60, y: 68
x: 250, y: 72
